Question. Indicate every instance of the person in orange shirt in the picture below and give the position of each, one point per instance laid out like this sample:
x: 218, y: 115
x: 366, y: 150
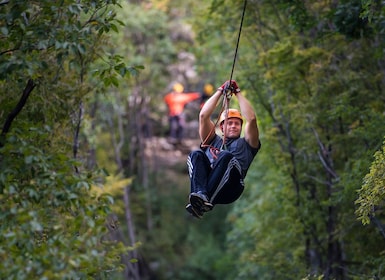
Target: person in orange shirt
x: 176, y: 101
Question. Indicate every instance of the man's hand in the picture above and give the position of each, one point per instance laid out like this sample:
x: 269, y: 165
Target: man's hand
x: 233, y: 87
x: 225, y: 86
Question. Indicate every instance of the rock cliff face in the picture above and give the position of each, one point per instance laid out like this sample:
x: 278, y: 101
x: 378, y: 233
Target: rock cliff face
x: 159, y: 152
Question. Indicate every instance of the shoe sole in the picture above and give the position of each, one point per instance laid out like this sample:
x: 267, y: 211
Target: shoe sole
x: 193, y: 212
x: 198, y: 203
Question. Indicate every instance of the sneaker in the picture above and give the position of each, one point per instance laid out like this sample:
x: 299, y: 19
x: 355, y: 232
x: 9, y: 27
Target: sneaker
x: 194, y: 212
x: 200, y: 201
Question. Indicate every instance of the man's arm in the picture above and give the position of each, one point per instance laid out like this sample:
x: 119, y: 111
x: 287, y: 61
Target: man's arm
x: 251, y: 126
x: 206, y: 126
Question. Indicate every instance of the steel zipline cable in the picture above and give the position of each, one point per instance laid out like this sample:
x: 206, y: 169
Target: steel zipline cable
x: 239, y: 36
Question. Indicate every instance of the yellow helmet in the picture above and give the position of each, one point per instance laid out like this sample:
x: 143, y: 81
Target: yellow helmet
x: 178, y: 87
x: 232, y: 113
x: 208, y: 89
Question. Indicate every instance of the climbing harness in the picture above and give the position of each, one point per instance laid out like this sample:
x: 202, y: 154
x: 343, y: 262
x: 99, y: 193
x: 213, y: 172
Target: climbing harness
x: 227, y: 92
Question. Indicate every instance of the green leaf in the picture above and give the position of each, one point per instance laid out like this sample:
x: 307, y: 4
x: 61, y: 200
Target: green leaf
x: 4, y: 30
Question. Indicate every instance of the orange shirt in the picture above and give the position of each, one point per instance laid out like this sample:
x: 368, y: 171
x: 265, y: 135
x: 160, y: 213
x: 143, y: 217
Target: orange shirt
x: 176, y: 101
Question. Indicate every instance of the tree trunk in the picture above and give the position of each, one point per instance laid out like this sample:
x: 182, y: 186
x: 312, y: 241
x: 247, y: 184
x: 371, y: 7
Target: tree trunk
x: 19, y: 106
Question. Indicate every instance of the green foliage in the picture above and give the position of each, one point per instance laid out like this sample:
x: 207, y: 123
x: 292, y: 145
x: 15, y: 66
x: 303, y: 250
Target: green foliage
x: 108, y: 72
x: 216, y: 41
x: 31, y: 31
x: 349, y: 21
x: 53, y: 228
x: 316, y: 95
x: 319, y: 106
x: 372, y: 193
x: 145, y: 40
x: 312, y: 69
x: 267, y: 234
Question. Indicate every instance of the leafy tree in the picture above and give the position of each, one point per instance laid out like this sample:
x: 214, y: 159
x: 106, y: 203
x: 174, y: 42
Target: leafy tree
x: 55, y: 226
x: 372, y: 193
x: 315, y: 95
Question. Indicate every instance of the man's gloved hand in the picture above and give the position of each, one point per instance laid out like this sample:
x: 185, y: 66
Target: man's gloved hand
x: 224, y: 86
x: 234, y: 87
x: 228, y: 89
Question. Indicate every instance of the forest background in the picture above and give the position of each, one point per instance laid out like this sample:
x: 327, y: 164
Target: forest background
x: 90, y: 188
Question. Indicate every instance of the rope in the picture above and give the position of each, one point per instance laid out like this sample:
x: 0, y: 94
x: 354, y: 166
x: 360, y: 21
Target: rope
x: 225, y: 107
x: 239, y: 36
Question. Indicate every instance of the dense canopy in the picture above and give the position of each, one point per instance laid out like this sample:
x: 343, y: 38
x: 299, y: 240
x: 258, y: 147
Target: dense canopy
x: 91, y: 189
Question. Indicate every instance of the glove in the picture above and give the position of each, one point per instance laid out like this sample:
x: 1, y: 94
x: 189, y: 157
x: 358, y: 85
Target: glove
x: 233, y: 87
x: 225, y: 88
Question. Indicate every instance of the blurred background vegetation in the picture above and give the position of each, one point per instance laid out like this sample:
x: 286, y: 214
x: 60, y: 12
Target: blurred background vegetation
x: 90, y: 188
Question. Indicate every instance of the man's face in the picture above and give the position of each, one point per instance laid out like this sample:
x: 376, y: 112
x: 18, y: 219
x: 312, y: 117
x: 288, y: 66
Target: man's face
x: 233, y: 128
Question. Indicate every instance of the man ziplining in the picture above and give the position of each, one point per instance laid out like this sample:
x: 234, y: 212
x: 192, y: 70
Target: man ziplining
x: 218, y: 169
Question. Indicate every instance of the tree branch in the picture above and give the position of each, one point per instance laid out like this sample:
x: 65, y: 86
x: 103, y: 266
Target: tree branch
x: 378, y: 224
x: 323, y: 155
x: 75, y: 146
x: 26, y: 92
x: 4, y: 2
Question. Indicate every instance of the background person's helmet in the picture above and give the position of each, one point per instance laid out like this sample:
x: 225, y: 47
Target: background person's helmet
x: 232, y: 113
x: 208, y: 89
x: 178, y: 87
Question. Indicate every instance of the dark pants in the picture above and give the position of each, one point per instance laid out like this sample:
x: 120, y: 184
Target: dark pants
x: 177, y: 124
x: 222, y: 183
